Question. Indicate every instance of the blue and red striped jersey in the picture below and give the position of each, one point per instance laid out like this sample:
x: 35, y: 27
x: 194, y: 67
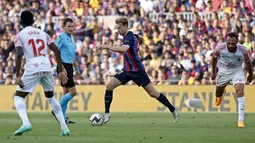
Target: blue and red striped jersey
x: 132, y: 60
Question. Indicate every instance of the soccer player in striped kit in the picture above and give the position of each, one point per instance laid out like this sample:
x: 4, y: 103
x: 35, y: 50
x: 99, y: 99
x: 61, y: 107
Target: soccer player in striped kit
x: 133, y: 69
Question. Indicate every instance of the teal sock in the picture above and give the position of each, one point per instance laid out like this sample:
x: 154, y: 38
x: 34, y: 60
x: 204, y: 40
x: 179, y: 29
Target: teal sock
x: 64, y: 102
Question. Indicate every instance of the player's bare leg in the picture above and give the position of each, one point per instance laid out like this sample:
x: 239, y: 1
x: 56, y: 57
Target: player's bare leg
x: 150, y: 89
x: 239, y: 88
x: 22, y: 111
x: 110, y: 86
x: 220, y: 91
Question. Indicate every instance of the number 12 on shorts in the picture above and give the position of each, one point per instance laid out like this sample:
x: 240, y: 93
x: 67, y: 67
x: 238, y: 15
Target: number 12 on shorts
x: 37, y: 50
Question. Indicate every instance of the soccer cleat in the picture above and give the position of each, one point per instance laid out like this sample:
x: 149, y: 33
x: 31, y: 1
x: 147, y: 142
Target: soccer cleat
x: 22, y: 129
x: 65, y: 132
x: 240, y: 124
x: 175, y: 115
x: 107, y: 117
x: 66, y: 120
x: 218, y: 101
x: 69, y: 121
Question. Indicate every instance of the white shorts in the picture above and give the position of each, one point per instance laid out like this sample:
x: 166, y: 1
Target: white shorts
x: 223, y: 80
x: 31, y: 80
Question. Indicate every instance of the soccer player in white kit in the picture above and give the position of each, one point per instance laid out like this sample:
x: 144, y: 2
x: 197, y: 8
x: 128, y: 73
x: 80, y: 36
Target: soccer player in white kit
x: 229, y: 57
x: 34, y: 44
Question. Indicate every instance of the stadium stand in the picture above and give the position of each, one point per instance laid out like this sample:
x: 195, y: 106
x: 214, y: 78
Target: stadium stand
x: 179, y: 35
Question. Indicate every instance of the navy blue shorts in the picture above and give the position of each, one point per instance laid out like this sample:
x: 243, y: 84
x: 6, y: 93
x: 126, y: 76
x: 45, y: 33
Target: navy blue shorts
x: 140, y: 78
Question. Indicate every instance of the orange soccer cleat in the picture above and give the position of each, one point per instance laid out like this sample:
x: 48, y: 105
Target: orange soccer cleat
x: 218, y: 101
x: 240, y: 124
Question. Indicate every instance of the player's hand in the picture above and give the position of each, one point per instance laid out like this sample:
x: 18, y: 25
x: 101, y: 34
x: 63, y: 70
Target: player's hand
x: 63, y: 77
x: 20, y: 82
x: 213, y: 76
x: 249, y: 78
x: 64, y: 70
x: 102, y: 47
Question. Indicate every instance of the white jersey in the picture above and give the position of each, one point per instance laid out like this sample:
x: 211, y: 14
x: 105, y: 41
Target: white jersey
x: 34, y: 43
x: 230, y: 63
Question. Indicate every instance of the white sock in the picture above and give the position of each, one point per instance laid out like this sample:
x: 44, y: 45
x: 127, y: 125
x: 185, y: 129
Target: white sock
x: 241, y: 108
x: 58, y: 112
x: 21, y: 108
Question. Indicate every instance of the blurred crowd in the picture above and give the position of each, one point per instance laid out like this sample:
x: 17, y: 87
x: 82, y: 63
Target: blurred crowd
x: 175, y: 51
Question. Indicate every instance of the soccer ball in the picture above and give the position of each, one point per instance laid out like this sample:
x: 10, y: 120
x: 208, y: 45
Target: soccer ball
x: 96, y: 119
x: 194, y: 103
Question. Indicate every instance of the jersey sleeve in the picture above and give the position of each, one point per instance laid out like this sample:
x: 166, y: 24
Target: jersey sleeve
x: 49, y: 40
x: 245, y: 53
x: 58, y: 42
x: 17, y: 41
x: 127, y: 40
x: 217, y: 50
x: 136, y: 36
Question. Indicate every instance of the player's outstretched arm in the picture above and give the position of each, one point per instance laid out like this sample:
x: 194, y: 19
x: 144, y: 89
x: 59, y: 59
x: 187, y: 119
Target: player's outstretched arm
x: 120, y: 49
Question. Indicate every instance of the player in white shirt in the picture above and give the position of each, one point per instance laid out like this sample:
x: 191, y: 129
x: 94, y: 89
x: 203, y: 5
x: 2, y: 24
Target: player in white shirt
x: 229, y: 57
x: 34, y: 44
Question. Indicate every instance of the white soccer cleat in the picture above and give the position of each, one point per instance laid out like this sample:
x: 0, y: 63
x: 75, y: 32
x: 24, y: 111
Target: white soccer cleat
x: 175, y: 115
x: 107, y: 117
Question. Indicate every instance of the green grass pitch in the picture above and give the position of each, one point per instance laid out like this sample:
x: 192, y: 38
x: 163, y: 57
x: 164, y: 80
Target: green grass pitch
x: 133, y: 128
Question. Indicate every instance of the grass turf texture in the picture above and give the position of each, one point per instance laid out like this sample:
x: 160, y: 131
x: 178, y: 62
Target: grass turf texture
x: 133, y: 128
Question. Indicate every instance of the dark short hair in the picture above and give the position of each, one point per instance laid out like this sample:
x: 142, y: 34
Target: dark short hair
x: 67, y: 20
x: 26, y: 18
x: 232, y: 35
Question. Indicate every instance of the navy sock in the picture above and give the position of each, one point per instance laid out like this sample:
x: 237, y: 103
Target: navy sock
x: 107, y: 100
x: 162, y: 98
